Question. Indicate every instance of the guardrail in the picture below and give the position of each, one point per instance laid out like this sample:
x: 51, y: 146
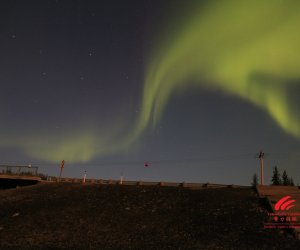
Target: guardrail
x: 20, y: 170
x: 189, y: 185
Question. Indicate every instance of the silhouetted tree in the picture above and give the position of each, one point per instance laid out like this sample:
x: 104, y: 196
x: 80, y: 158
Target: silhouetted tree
x: 254, y: 180
x: 292, y: 182
x: 276, y: 176
x: 285, y: 178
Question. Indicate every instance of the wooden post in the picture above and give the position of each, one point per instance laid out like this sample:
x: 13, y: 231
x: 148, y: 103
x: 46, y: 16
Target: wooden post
x: 61, y: 169
x: 84, y: 177
x: 121, y: 178
x: 261, y: 158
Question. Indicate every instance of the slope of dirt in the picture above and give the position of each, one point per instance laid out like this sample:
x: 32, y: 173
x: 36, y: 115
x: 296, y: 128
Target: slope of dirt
x: 7, y: 183
x: 73, y: 216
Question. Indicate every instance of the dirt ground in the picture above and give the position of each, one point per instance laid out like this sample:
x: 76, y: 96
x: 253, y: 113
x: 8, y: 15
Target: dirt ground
x: 75, y: 216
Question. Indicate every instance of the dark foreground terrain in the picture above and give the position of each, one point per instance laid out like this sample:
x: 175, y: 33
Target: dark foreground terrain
x: 73, y: 216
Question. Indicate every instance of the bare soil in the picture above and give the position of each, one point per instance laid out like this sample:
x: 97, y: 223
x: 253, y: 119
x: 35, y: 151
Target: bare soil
x: 75, y: 216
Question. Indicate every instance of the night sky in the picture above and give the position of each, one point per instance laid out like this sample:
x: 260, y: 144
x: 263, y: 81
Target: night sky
x: 195, y: 88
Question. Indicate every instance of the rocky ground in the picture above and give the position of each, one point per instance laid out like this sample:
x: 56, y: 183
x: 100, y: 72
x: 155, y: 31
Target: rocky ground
x: 75, y: 216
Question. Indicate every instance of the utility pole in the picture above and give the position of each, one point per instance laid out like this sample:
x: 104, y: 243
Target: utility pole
x: 61, y: 169
x: 261, y: 158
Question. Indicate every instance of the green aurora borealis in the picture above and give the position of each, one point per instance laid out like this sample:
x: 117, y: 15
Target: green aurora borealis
x: 246, y: 49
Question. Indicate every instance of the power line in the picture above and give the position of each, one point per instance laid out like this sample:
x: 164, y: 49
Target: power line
x: 234, y: 157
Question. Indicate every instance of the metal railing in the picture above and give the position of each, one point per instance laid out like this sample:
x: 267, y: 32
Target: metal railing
x: 189, y: 185
x: 19, y: 170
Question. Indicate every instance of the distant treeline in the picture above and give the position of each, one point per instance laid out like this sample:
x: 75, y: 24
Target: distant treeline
x: 277, y: 178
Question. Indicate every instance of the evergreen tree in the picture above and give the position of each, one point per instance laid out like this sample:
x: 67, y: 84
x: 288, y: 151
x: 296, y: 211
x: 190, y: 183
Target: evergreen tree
x: 254, y: 180
x: 285, y: 179
x: 276, y: 176
x: 292, y: 182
